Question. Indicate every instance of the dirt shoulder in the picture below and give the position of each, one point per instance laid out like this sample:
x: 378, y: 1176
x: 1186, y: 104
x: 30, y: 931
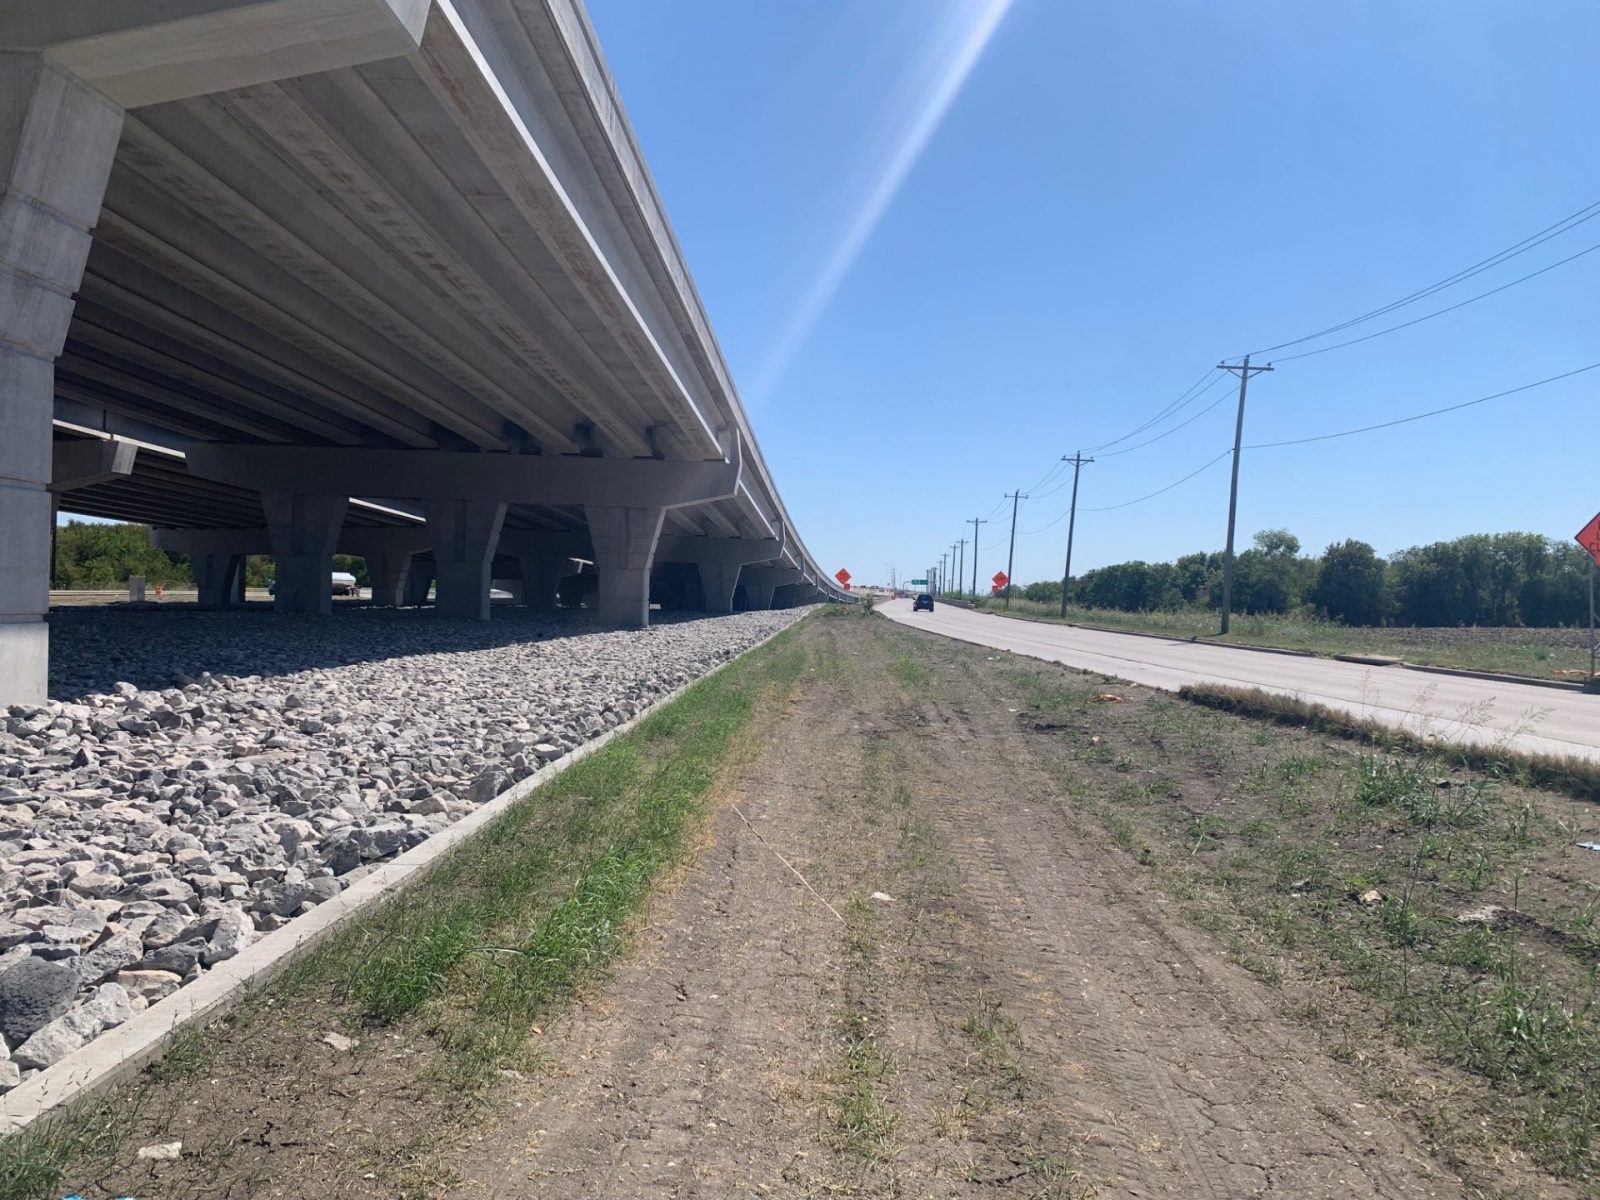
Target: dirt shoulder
x: 1016, y: 1013
x: 956, y: 925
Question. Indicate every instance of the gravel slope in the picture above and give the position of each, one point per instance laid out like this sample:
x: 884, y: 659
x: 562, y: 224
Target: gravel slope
x: 199, y: 779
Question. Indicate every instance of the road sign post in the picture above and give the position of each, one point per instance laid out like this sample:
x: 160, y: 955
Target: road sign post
x: 1589, y: 538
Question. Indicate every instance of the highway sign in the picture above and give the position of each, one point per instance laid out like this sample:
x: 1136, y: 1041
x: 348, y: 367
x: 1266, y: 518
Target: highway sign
x: 1589, y: 538
x: 842, y: 576
x: 1000, y: 580
x: 917, y: 582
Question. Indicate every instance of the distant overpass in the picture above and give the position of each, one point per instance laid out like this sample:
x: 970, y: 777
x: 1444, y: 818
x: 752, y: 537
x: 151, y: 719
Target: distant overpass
x: 403, y: 251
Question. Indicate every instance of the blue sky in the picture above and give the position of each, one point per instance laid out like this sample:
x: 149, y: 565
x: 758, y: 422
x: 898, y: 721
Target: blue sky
x: 1119, y: 194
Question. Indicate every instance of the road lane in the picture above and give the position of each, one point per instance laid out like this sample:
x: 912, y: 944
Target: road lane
x: 1456, y: 708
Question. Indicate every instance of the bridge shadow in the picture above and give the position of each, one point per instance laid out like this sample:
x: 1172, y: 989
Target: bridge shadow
x: 94, y: 648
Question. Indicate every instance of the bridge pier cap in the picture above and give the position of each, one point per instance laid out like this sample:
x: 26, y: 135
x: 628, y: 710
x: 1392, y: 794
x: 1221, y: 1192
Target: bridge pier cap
x: 136, y: 54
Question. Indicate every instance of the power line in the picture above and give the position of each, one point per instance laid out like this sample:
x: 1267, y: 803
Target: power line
x: 1185, y: 398
x: 1440, y: 312
x: 1324, y: 437
x: 1189, y: 396
x: 1161, y: 491
x: 1050, y: 474
x: 1168, y: 433
x: 1572, y: 221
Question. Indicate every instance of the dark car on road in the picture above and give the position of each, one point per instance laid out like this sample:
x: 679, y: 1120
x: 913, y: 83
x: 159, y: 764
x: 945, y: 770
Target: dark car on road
x: 923, y: 602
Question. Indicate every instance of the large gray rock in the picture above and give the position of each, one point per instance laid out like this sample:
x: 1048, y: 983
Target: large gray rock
x: 32, y: 994
x: 178, y: 958
x: 110, y: 1005
x: 149, y: 986
x: 59, y: 1038
x: 105, y: 960
x: 234, y: 931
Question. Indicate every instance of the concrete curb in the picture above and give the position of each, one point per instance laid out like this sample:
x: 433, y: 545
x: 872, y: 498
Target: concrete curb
x: 1494, y: 677
x: 119, y: 1053
x: 1369, y: 660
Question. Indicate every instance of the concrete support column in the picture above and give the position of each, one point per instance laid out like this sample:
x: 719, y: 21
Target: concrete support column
x: 218, y: 578
x: 765, y: 587
x: 239, y: 583
x: 541, y: 576
x: 718, y: 582
x: 57, y: 140
x: 418, y: 582
x: 464, y: 534
x: 388, y: 573
x: 624, y: 547
x: 304, y: 529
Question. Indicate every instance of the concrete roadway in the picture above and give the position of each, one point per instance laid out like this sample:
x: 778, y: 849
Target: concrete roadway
x: 1455, y: 708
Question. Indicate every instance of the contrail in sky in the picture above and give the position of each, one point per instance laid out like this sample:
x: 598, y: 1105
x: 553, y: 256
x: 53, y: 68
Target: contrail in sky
x: 957, y: 53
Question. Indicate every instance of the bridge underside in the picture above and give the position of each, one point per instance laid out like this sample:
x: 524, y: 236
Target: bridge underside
x: 298, y: 251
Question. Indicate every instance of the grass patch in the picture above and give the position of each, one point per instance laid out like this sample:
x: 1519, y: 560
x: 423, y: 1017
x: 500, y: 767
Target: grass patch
x: 1412, y: 895
x: 1575, y: 777
x: 515, y: 920
x: 863, y: 1124
x: 33, y: 1162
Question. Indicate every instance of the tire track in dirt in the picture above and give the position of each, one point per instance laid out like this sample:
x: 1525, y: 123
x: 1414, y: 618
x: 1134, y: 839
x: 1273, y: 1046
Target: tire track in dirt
x: 690, y: 1072
x: 1172, y: 1058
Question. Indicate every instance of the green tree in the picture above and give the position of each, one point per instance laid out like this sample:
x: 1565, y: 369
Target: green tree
x: 1349, y: 584
x: 93, y: 554
x: 1046, y: 591
x: 1269, y: 577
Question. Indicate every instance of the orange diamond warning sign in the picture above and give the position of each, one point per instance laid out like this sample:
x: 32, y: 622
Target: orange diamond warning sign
x: 1589, y: 538
x: 842, y: 576
x: 1000, y: 580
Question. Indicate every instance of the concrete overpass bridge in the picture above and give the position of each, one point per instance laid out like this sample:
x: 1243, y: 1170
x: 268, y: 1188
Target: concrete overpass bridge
x: 387, y: 273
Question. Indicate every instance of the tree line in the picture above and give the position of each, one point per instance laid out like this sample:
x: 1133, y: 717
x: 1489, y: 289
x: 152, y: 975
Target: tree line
x: 94, y: 556
x: 1481, y: 579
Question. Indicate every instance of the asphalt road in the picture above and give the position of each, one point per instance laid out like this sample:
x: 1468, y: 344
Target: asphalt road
x: 1522, y: 716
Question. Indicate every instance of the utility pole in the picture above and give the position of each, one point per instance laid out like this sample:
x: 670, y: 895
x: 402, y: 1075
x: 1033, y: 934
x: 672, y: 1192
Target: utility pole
x: 1011, y: 554
x: 942, y: 573
x: 975, y: 522
x: 1077, y: 461
x: 1244, y: 370
x: 961, y: 558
